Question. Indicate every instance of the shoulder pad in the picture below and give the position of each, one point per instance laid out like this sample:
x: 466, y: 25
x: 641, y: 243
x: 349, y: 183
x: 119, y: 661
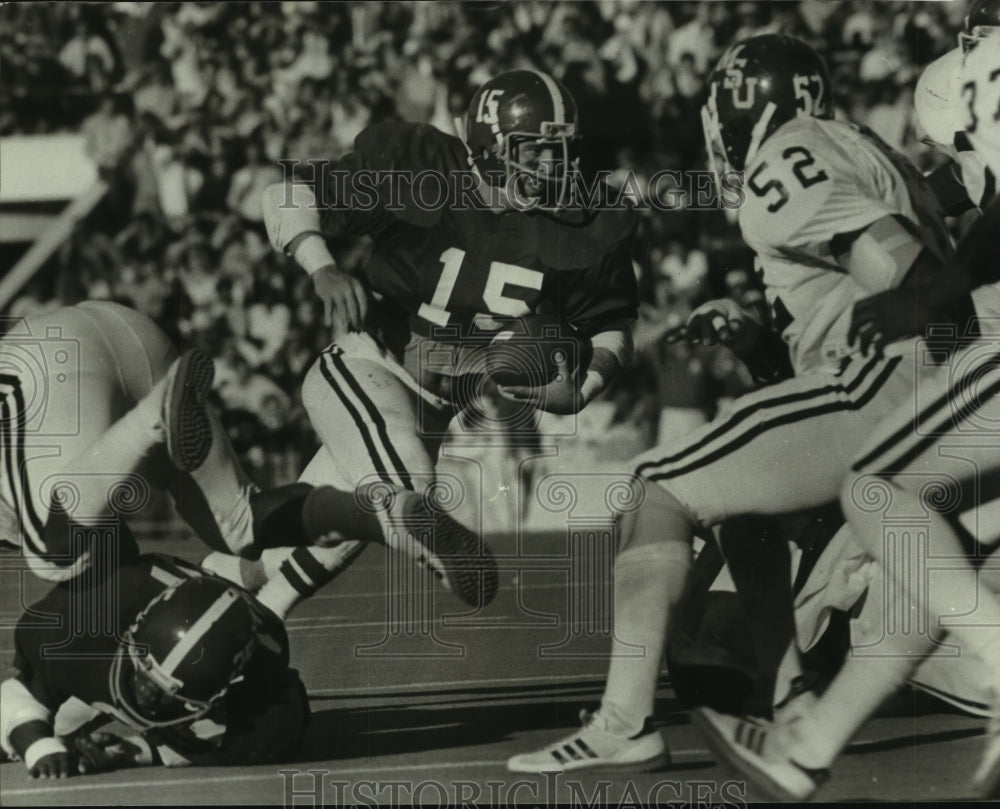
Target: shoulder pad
x: 788, y: 183
x: 402, y: 146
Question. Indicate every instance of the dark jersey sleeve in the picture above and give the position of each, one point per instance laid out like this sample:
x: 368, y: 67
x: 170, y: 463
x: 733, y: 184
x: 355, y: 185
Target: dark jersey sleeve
x: 265, y: 721
x: 29, y: 638
x: 394, y: 174
x: 599, y: 298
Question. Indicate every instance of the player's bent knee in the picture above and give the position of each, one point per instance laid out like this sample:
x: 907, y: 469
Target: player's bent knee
x: 864, y: 499
x: 659, y: 518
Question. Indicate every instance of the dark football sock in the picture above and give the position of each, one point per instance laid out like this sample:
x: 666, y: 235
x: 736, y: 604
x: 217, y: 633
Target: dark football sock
x: 278, y: 517
x: 327, y: 510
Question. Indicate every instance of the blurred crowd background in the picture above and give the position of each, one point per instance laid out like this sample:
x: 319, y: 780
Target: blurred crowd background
x: 186, y: 107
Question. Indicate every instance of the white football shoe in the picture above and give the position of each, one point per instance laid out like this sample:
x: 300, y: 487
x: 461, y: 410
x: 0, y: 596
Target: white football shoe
x: 595, y: 747
x: 748, y: 745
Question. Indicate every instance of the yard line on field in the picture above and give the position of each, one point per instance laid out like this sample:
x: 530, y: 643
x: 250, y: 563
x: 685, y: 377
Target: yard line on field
x: 368, y: 594
x: 74, y: 785
x: 385, y: 621
x: 596, y: 678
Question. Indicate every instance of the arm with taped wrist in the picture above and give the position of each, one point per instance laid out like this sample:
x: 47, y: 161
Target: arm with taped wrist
x: 26, y: 727
x: 612, y: 353
x: 292, y: 220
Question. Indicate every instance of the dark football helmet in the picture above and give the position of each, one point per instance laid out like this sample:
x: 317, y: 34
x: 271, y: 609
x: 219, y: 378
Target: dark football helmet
x: 186, y: 648
x: 758, y: 85
x: 983, y: 17
x: 523, y: 124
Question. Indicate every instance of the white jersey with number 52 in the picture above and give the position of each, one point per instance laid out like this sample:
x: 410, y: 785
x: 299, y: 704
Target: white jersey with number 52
x: 813, y: 184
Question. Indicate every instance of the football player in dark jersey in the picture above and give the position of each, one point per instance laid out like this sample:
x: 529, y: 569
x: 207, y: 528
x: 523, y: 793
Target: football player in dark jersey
x: 190, y: 662
x: 469, y: 232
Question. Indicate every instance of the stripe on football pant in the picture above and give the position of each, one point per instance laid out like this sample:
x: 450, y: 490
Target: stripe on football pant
x: 906, y: 432
x: 199, y: 629
x: 14, y: 421
x: 731, y: 435
x: 380, y: 450
x: 377, y: 419
x: 926, y: 441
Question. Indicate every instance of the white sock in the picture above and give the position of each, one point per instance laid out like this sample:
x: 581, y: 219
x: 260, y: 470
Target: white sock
x: 824, y: 729
x: 303, y: 573
x: 649, y: 580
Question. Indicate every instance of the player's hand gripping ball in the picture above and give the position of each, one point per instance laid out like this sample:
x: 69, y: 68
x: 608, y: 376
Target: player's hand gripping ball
x: 532, y: 351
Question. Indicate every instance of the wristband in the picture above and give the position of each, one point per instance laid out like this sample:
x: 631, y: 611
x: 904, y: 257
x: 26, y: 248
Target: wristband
x: 592, y: 385
x: 293, y: 245
x: 43, y: 747
x: 144, y: 757
x: 312, y: 253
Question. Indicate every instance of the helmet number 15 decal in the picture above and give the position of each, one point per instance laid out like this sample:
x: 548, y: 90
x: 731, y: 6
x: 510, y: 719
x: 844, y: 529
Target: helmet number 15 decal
x: 802, y: 168
x: 499, y: 280
x: 486, y: 112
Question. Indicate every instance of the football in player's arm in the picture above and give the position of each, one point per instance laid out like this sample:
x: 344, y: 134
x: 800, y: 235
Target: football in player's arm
x: 195, y: 667
x: 591, y: 251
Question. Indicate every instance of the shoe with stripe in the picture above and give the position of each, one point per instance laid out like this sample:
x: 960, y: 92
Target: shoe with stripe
x: 185, y: 416
x: 461, y: 561
x: 747, y: 745
x: 595, y: 747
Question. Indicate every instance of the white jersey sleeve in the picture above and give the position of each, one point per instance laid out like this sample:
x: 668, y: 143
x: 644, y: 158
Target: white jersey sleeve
x: 813, y: 185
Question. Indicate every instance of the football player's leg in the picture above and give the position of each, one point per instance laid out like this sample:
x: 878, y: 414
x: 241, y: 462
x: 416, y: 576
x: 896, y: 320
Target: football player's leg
x: 368, y: 423
x: 209, y: 487
x: 86, y: 414
x: 931, y: 463
x: 770, y: 454
x: 935, y: 463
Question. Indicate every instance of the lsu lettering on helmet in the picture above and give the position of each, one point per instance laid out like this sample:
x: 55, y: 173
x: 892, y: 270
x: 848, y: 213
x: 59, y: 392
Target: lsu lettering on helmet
x: 185, y: 649
x: 983, y: 18
x: 522, y: 126
x: 758, y: 85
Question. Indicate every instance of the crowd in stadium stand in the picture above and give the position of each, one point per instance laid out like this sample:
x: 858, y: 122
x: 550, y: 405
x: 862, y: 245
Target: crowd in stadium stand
x: 186, y: 107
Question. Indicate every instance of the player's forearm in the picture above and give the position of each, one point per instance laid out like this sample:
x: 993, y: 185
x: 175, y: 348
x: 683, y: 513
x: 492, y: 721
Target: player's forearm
x: 25, y: 723
x: 292, y: 219
x: 612, y: 353
x: 881, y: 255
